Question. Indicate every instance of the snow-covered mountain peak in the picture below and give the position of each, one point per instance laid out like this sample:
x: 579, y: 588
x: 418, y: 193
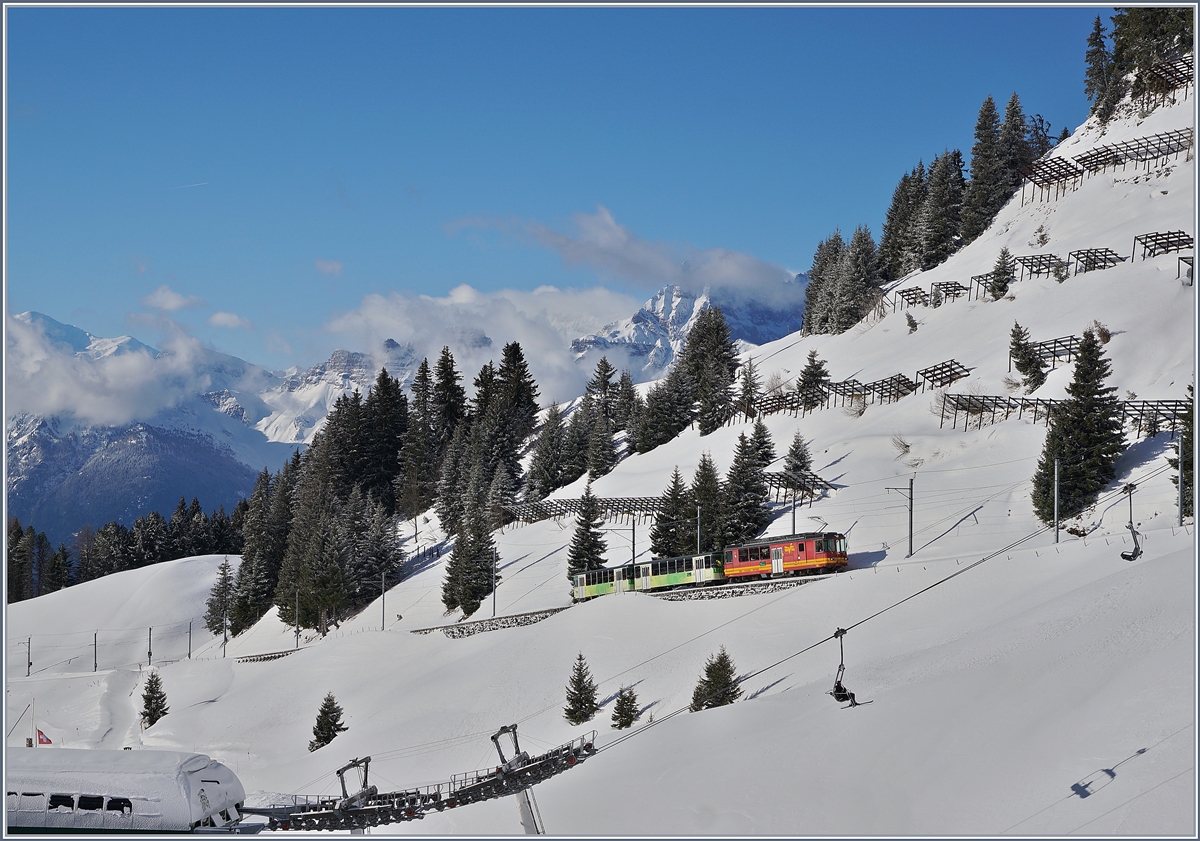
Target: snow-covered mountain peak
x: 81, y: 342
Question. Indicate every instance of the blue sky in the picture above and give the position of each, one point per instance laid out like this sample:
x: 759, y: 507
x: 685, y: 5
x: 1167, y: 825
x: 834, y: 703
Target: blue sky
x: 266, y: 179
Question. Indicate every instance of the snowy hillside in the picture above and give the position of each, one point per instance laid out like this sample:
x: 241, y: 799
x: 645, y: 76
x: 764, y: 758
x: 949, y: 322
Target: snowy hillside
x: 1049, y: 690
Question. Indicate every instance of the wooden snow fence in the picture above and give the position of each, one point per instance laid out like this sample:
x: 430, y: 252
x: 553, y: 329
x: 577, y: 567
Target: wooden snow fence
x: 632, y: 507
x: 1144, y: 417
x: 805, y: 485
x: 1161, y: 242
x: 1094, y: 259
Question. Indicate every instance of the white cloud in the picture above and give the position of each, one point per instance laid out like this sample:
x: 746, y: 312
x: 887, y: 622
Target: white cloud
x: 329, y: 267
x: 476, y: 326
x: 166, y: 299
x: 48, y: 378
x: 608, y: 247
x: 228, y: 319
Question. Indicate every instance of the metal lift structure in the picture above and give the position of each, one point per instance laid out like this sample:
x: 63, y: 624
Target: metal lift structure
x: 368, y: 807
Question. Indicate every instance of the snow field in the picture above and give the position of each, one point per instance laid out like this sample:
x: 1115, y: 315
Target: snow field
x: 993, y: 694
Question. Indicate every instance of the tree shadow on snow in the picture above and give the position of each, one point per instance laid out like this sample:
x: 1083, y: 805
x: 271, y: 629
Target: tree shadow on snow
x: 758, y: 692
x: 614, y: 695
x: 955, y: 525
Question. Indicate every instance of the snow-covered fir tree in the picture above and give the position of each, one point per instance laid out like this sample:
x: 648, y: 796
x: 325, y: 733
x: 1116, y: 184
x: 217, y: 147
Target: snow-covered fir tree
x: 219, y: 604
x: 1085, y: 435
x: 1029, y: 365
x: 625, y: 708
x: 674, y: 530
x: 329, y: 723
x: 587, y: 547
x: 707, y: 495
x: 813, y: 383
x: 581, y: 694
x: 546, y: 468
x: 154, y: 700
x: 746, y: 494
x: 718, y: 685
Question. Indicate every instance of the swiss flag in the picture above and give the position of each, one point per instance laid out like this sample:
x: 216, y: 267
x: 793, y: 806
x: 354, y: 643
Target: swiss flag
x: 43, y: 739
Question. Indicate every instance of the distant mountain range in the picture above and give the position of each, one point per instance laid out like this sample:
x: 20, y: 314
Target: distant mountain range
x: 64, y: 472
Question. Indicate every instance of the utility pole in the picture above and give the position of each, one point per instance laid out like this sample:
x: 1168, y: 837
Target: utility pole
x: 1056, y: 500
x: 633, y: 540
x: 297, y: 616
x: 383, y: 601
x: 96, y: 653
x: 28, y: 655
x: 149, y: 647
x: 189, y: 641
x: 495, y: 563
x: 697, y: 529
x: 910, y: 513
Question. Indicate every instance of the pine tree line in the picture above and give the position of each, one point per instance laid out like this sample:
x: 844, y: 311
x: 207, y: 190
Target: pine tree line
x: 35, y: 568
x: 709, y: 514
x: 1140, y: 38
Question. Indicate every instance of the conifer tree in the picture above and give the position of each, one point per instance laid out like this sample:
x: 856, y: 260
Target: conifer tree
x: 1014, y: 145
x: 718, y: 685
x: 912, y: 322
x: 385, y: 421
x: 1098, y: 77
x: 154, y: 700
x: 1183, y: 455
x: 602, y: 449
x: 602, y: 388
x: 898, y: 246
x: 448, y: 403
x: 1144, y: 36
x: 329, y: 723
x: 518, y: 393
x: 749, y: 388
x: 625, y: 404
x: 58, y: 575
x: 1002, y: 274
x: 178, y: 534
x: 674, y: 530
x: 455, y: 469
x: 625, y: 710
x: 709, y: 358
x: 19, y: 581
x: 985, y: 192
x: 485, y: 390
x: 822, y: 278
x: 940, y: 219
x: 706, y: 494
x: 1085, y: 435
x: 581, y: 694
x: 746, y: 495
x: 587, y: 547
x: 813, y: 382
x: 218, y: 606
x: 857, y: 280
x: 798, y: 461
x: 764, y: 446
x: 577, y: 440
x: 546, y: 467
x: 1031, y: 367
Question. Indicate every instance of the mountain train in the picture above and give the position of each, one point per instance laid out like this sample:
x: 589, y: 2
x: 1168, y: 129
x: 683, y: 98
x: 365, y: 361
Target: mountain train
x: 769, y: 557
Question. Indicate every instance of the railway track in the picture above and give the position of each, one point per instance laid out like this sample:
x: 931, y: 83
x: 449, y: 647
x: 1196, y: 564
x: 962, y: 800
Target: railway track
x: 746, y: 588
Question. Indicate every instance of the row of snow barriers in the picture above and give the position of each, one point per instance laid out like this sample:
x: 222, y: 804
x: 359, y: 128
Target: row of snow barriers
x: 1052, y: 177
x: 852, y: 392
x: 1079, y: 262
x: 1143, y: 416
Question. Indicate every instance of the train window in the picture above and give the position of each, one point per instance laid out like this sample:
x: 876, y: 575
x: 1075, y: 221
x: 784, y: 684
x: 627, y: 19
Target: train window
x: 800, y: 548
x: 841, y: 545
x: 59, y: 801
x: 729, y: 556
x: 687, y: 565
x: 119, y: 804
x: 629, y: 573
x: 91, y: 802
x: 672, y: 566
x: 820, y: 545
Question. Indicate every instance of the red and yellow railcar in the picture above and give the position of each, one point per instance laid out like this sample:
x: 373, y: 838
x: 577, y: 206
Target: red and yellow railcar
x: 795, y: 554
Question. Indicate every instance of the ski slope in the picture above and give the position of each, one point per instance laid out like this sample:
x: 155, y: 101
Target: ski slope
x: 1049, y: 690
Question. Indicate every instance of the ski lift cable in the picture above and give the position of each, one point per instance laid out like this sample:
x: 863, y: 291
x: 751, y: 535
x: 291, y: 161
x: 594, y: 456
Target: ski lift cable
x: 842, y: 631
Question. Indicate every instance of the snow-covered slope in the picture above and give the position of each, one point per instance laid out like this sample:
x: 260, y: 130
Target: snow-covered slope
x: 1047, y: 691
